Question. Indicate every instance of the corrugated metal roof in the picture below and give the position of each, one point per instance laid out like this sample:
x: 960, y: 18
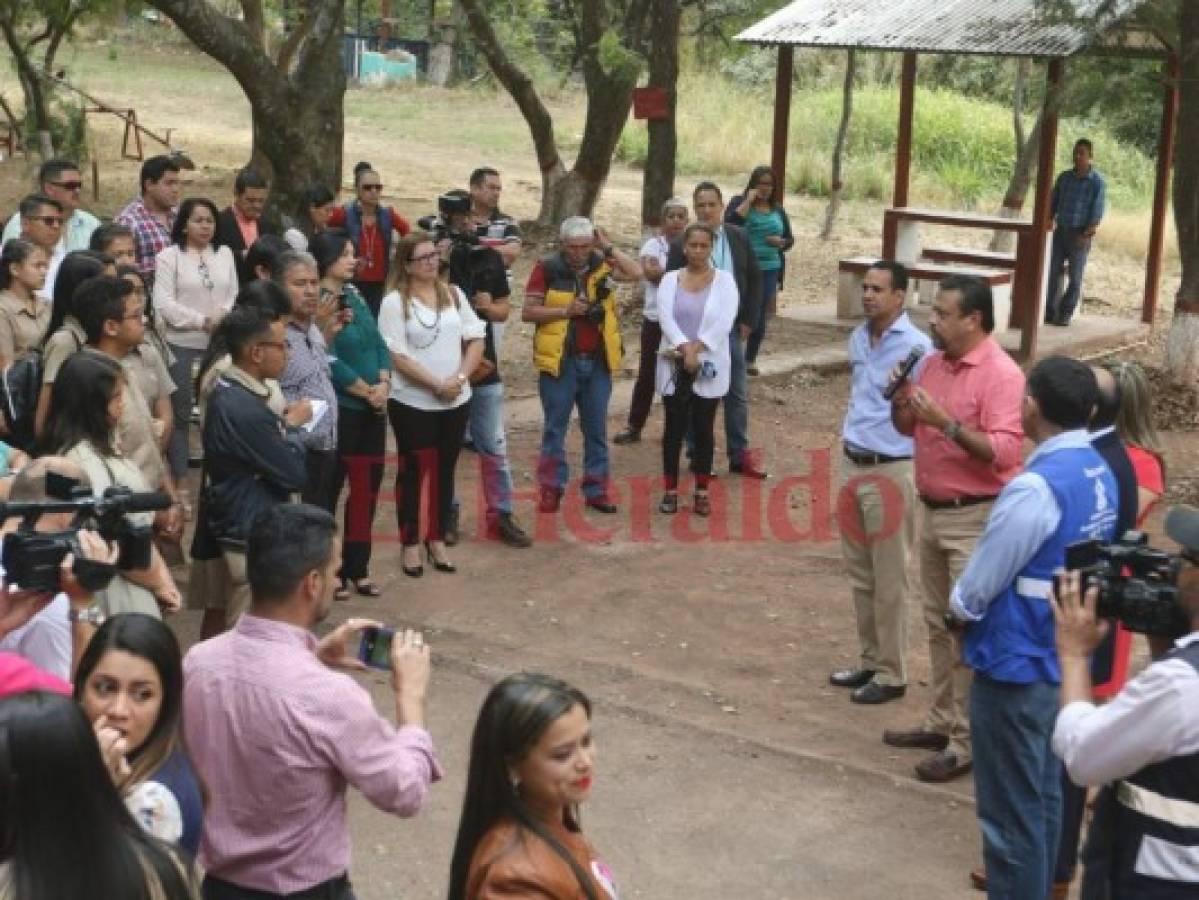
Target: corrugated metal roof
x: 993, y: 27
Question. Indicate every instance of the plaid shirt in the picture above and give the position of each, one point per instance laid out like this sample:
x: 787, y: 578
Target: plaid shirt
x: 1078, y: 202
x: 307, y: 375
x: 149, y: 234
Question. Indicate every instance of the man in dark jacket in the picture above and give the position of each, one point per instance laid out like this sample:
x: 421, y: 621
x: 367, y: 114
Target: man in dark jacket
x: 238, y: 226
x: 253, y: 459
x: 732, y: 253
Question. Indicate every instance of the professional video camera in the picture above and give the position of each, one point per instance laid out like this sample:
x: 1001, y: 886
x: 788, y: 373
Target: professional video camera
x: 1138, y: 585
x: 32, y: 559
x: 450, y: 204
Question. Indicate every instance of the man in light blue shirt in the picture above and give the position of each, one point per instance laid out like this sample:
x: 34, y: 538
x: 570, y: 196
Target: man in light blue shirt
x: 60, y: 180
x: 876, y: 503
x: 1078, y: 202
x: 1003, y: 601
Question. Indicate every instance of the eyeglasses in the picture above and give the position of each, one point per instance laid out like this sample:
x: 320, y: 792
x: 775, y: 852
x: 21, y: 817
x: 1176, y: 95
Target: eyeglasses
x: 428, y: 257
x: 370, y: 187
x: 68, y: 185
x: 205, y: 276
x: 51, y: 221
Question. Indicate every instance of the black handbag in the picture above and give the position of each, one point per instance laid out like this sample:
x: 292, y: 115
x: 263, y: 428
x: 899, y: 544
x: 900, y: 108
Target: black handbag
x: 20, y: 386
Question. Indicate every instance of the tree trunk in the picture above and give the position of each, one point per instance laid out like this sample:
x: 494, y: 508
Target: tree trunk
x: 658, y: 184
x: 37, y: 107
x: 297, y: 101
x: 1026, y: 156
x: 1182, y: 344
x: 609, y: 76
x: 834, y: 196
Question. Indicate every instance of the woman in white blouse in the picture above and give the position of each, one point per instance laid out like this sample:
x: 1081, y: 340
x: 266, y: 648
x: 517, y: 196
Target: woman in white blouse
x: 436, y: 341
x: 697, y: 306
x: 194, y: 286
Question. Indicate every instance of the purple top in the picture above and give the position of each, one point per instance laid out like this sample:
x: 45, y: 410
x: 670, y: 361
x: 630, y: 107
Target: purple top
x: 277, y: 737
x: 689, y: 310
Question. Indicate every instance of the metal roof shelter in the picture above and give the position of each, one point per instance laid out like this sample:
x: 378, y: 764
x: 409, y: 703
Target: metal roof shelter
x: 1027, y: 28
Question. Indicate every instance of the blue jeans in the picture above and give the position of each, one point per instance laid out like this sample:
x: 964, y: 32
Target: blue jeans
x: 585, y: 382
x: 486, y: 431
x: 1069, y: 246
x: 1017, y: 783
x: 736, y: 404
x: 770, y: 286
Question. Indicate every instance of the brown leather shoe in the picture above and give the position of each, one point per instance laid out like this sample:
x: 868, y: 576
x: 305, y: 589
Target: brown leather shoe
x: 942, y: 767
x: 1061, y: 890
x: 978, y: 879
x: 916, y: 739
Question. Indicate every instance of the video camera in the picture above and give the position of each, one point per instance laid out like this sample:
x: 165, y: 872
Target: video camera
x: 1138, y: 585
x: 450, y: 204
x: 32, y: 559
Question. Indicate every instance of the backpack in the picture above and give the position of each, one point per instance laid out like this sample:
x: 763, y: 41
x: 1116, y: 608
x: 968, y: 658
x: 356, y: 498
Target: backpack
x: 20, y: 387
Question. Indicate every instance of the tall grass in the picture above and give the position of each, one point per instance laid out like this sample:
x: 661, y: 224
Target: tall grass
x: 963, y: 149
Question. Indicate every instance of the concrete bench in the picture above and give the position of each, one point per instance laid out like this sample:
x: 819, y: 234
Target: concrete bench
x: 849, y: 285
x: 968, y: 256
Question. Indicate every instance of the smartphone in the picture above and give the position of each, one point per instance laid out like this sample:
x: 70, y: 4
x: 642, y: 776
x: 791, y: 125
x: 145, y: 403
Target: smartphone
x: 375, y: 649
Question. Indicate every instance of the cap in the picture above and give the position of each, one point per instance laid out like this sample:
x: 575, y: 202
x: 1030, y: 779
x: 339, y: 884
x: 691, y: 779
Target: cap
x: 1182, y: 525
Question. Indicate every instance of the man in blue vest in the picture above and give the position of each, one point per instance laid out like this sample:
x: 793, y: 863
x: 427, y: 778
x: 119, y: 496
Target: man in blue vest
x: 1003, y: 602
x: 1147, y: 738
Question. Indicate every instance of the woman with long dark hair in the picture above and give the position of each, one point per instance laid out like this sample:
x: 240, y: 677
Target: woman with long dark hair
x: 194, y: 286
x: 81, y: 425
x: 130, y: 684
x: 373, y: 227
x: 436, y: 341
x: 23, y: 315
x: 64, y: 334
x: 769, y: 230
x: 361, y: 373
x: 532, y: 762
x: 64, y: 832
x: 318, y: 206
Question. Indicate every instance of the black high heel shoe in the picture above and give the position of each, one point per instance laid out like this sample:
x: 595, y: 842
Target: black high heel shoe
x: 439, y: 566
x: 414, y: 572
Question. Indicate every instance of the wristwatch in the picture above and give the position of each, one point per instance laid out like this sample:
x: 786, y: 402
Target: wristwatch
x: 462, y: 379
x: 952, y: 430
x: 92, y: 615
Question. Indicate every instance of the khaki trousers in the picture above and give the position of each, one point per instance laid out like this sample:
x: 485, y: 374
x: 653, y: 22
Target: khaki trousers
x: 876, y: 513
x: 220, y: 583
x: 947, y: 538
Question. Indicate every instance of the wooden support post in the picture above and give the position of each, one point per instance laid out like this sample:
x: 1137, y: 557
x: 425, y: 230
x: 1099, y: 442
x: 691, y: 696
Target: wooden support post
x: 1161, y: 190
x: 903, y: 144
x: 782, y: 118
x: 1030, y: 265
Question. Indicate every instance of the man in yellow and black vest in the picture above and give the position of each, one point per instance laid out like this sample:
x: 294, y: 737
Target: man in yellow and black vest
x: 576, y: 348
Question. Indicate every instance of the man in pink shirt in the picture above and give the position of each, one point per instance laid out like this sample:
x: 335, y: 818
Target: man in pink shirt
x: 277, y: 735
x: 963, y: 411
x: 239, y: 225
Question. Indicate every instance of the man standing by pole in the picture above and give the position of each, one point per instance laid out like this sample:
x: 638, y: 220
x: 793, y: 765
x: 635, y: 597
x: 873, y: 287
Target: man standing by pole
x: 963, y: 410
x: 877, y: 505
x: 1079, y: 198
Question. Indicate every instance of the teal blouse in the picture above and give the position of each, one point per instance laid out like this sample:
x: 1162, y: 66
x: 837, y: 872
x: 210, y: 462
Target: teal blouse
x: 760, y: 226
x: 358, y: 351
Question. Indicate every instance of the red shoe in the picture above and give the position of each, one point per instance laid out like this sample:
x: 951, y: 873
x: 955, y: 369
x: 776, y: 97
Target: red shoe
x: 551, y: 499
x: 748, y: 466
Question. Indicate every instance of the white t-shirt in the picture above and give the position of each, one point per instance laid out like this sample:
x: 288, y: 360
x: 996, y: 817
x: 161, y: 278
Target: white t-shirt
x: 432, y: 338
x: 657, y: 248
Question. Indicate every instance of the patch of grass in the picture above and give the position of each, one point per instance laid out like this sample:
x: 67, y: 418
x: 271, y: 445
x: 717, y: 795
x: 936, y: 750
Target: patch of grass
x: 963, y: 149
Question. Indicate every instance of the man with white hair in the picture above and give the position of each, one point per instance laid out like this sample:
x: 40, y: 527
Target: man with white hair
x: 576, y: 348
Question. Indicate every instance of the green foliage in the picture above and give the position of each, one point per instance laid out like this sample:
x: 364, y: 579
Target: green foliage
x: 962, y: 148
x: 618, y: 60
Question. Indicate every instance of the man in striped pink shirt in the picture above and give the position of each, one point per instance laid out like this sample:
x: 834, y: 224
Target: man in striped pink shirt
x: 277, y: 735
x: 963, y: 411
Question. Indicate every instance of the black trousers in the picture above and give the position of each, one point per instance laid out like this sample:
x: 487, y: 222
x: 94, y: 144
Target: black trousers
x: 686, y: 412
x: 428, y: 442
x: 361, y: 442
x: 643, y: 389
x: 318, y: 485
x: 334, y: 889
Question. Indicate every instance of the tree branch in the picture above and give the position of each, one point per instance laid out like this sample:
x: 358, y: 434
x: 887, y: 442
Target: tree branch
x: 254, y: 20
x: 299, y: 31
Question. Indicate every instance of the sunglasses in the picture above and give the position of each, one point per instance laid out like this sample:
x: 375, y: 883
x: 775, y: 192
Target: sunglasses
x: 371, y: 187
x: 52, y: 221
x: 68, y: 185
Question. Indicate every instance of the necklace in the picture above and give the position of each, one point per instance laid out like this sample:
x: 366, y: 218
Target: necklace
x: 434, y: 326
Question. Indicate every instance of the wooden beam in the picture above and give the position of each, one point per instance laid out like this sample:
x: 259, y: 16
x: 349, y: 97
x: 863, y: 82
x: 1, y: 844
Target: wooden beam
x: 782, y: 118
x: 1030, y: 265
x: 903, y: 144
x: 1161, y: 189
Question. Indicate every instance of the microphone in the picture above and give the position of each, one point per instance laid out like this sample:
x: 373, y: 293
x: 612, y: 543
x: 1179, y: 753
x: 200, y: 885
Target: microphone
x: 905, y: 370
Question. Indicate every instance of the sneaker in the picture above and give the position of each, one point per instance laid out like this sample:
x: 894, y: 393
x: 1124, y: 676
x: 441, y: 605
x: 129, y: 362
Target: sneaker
x: 628, y: 436
x: 551, y: 499
x: 451, y: 535
x: 508, y: 530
